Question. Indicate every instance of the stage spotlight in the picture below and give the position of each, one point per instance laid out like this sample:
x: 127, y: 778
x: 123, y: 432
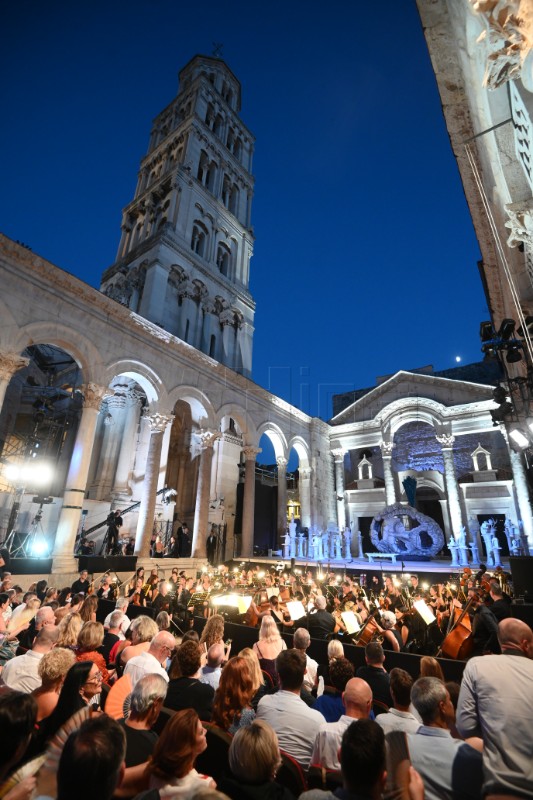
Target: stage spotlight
x: 39, y: 548
x: 519, y: 438
x: 486, y: 331
x: 513, y: 353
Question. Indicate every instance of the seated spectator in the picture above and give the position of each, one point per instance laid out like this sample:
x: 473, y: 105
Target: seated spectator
x: 375, y: 674
x: 232, y: 706
x: 147, y: 699
x: 301, y: 641
x: 187, y: 691
x: 358, y: 702
x: 293, y: 721
x: 254, y: 760
x: 17, y: 720
x: 335, y: 650
x: 121, y: 604
x: 90, y: 638
x: 362, y: 762
x: 258, y: 677
x: 213, y: 631
x: 22, y: 672
x: 430, y: 668
x: 212, y: 671
x: 399, y: 718
x: 163, y: 621
x: 112, y: 636
x: 268, y: 647
x: 69, y: 630
x: 161, y: 647
x: 53, y: 668
x: 92, y: 761
x: 44, y: 618
x: 143, y: 629
x: 88, y: 608
x: 171, y: 768
x: 331, y: 705
x: 449, y: 768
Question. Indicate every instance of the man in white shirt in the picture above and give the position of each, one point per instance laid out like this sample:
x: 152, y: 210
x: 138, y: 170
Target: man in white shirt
x: 212, y: 671
x: 399, y: 718
x: 121, y: 605
x: 301, y: 642
x: 293, y: 721
x: 358, y: 703
x: 22, y: 672
x: 150, y: 663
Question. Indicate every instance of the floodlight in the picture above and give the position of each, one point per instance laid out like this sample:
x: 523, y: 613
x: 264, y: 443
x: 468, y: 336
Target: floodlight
x: 506, y: 329
x: 519, y: 438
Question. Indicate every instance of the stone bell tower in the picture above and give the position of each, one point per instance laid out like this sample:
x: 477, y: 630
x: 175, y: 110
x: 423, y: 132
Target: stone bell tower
x: 184, y: 256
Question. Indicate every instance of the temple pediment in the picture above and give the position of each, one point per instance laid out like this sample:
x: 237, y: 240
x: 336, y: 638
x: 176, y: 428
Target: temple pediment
x: 442, y: 391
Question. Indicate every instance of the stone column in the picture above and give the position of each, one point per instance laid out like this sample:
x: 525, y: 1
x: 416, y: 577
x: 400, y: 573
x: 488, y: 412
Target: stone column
x: 248, y: 505
x: 339, y: 486
x: 522, y: 495
x: 446, y: 441
x: 125, y: 456
x: 282, y: 497
x: 201, y: 510
x: 145, y: 524
x: 386, y: 455
x: 78, y: 473
x: 227, y: 321
x: 153, y: 298
x: 9, y: 364
x: 305, y: 496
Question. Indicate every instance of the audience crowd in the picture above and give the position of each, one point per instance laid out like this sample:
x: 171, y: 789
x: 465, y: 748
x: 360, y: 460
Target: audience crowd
x: 128, y: 710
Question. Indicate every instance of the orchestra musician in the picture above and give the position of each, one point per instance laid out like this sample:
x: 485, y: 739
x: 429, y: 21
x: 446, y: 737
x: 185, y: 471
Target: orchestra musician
x: 137, y: 595
x: 107, y: 590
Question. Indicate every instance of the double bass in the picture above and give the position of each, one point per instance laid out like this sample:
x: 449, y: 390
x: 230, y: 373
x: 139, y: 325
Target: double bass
x: 459, y: 643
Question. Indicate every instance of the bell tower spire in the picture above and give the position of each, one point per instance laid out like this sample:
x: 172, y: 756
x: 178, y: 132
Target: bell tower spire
x: 184, y: 256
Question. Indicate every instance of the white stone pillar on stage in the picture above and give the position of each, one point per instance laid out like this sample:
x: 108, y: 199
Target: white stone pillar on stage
x: 338, y: 455
x: 386, y: 448
x: 145, y: 523
x: 446, y: 441
x: 522, y: 495
x: 304, y: 486
x: 78, y: 473
x: 282, y: 498
x: 201, y: 510
x: 248, y: 503
x: 9, y: 364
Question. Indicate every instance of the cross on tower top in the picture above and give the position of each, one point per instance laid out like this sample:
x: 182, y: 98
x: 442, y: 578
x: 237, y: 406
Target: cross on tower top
x: 217, y: 49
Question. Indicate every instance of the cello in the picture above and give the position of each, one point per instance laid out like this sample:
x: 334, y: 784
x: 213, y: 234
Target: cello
x: 458, y: 643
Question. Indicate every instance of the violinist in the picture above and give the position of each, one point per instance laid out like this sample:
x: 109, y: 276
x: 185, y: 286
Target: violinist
x: 133, y: 582
x: 137, y: 596
x: 347, y: 595
x: 107, y: 590
x: 162, y: 601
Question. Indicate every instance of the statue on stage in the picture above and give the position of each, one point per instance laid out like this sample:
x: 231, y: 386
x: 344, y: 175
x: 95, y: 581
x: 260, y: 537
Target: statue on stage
x: 389, y: 534
x: 338, y: 542
x: 317, y: 545
x: 286, y: 545
x: 495, y: 551
x: 347, y: 544
x: 452, y: 544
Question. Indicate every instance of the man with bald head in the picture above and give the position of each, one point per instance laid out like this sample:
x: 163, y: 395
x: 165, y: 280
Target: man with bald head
x: 212, y: 671
x: 152, y: 662
x: 357, y: 699
x: 496, y: 703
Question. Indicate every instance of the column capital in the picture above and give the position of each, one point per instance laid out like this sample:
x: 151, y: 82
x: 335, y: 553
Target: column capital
x: 250, y: 452
x: 386, y: 447
x: 446, y: 440
x: 338, y: 453
x: 208, y: 438
x: 282, y: 462
x: 93, y: 394
x: 305, y: 472
x: 158, y: 422
x: 11, y: 363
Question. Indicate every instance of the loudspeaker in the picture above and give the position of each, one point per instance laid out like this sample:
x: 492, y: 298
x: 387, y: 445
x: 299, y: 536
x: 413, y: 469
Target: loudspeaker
x: 522, y: 572
x: 293, y: 564
x: 31, y: 566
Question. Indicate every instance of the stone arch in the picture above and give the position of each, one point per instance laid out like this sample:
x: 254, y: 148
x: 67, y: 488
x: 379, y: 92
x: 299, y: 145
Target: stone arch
x: 202, y: 411
x: 302, y: 448
x: 150, y: 382
x: 397, y: 414
x: 72, y: 341
x: 243, y: 420
x: 276, y: 436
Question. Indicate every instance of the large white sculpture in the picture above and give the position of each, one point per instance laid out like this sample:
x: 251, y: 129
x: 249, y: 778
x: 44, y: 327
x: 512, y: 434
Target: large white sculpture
x: 389, y: 535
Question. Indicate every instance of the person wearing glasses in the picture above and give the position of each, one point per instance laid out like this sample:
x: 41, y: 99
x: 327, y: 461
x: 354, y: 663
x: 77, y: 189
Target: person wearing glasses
x: 161, y: 648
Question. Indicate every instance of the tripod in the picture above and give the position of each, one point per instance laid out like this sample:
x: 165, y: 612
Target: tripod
x: 26, y: 546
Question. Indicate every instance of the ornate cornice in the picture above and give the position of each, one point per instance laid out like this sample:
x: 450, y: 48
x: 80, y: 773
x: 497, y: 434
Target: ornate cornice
x: 507, y: 38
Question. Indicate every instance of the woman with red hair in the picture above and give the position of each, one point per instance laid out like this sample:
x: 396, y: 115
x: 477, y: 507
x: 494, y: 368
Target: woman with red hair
x: 171, y: 766
x: 232, y: 707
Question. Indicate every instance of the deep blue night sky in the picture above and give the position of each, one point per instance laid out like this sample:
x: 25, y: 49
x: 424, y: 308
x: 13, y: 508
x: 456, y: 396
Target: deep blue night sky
x: 365, y: 255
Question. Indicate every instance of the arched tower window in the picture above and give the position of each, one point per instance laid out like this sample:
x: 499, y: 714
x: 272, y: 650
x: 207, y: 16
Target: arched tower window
x: 234, y: 199
x: 218, y: 127
x: 224, y: 260
x: 210, y: 116
x: 226, y: 191
x: 199, y: 239
x: 203, y: 166
x: 213, y: 346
